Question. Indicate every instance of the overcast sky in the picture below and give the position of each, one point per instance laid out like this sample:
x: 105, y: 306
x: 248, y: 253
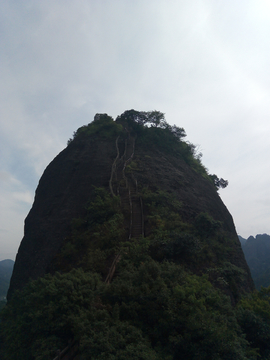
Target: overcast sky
x: 204, y: 63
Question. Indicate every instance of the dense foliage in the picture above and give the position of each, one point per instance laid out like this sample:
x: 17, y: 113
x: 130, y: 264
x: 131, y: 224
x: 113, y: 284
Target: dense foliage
x: 152, y: 310
x: 253, y: 315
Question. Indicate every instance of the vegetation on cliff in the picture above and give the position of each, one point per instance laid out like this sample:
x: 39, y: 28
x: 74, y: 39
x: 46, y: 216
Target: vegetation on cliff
x: 146, y: 272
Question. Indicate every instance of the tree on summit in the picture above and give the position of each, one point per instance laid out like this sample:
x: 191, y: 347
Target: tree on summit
x: 154, y: 119
x: 219, y: 182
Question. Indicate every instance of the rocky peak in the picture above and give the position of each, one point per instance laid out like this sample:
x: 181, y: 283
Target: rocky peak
x: 163, y: 192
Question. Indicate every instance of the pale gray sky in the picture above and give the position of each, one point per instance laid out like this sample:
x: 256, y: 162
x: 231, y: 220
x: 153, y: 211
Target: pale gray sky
x: 204, y: 63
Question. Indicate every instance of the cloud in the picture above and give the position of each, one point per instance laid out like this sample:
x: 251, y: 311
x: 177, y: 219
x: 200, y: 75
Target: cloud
x: 25, y: 197
x: 5, y: 177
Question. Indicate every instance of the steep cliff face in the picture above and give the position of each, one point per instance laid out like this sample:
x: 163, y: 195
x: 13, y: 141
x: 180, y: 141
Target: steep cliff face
x: 145, y: 168
x: 64, y: 188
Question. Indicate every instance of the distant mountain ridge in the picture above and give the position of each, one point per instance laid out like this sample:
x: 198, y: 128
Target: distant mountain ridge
x: 257, y: 254
x: 6, y: 268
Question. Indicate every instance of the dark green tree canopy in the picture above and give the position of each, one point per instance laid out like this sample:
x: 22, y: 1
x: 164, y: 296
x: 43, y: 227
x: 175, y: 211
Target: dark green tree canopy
x: 219, y: 182
x: 151, y: 118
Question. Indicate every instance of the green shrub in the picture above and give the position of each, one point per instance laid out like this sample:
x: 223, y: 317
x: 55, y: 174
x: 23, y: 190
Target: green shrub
x: 253, y: 315
x: 47, y: 313
x: 103, y: 125
x: 206, y: 225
